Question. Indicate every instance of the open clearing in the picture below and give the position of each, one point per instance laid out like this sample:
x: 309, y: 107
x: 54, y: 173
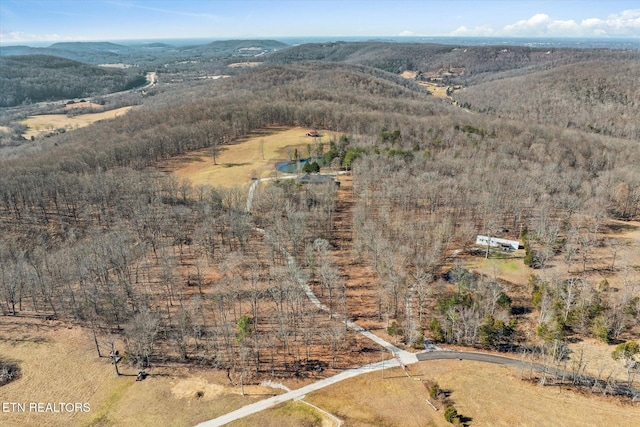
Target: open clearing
x: 84, y: 105
x: 400, y: 401
x: 59, y: 363
x: 435, y: 90
x: 237, y: 163
x: 244, y: 64
x: 41, y: 125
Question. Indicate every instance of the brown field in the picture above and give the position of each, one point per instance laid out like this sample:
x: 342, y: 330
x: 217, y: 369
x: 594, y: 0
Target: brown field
x: 487, y: 394
x: 121, y: 66
x: 59, y: 363
x: 238, y: 163
x: 244, y: 64
x: 409, y: 74
x: 435, y: 90
x: 48, y: 123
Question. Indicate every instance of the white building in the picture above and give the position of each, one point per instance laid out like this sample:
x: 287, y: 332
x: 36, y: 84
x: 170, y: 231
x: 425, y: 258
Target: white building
x: 504, y: 244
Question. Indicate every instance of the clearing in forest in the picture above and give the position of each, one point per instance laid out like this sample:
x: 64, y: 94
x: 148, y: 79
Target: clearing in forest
x: 253, y: 157
x: 45, y: 124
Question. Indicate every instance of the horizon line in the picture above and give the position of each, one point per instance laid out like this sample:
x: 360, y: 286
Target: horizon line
x: 337, y: 38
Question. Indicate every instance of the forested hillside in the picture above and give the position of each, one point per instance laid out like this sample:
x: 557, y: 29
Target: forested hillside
x: 36, y: 78
x: 477, y: 62
x: 147, y: 54
x: 98, y: 236
x: 595, y: 96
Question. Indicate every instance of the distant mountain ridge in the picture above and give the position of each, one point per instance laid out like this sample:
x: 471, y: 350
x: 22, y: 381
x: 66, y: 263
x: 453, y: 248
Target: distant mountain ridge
x: 36, y: 78
x: 145, y: 53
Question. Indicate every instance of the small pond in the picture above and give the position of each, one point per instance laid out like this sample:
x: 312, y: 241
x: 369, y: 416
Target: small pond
x: 294, y: 166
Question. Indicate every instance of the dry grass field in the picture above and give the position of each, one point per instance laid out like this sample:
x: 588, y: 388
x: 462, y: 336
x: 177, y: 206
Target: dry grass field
x: 244, y: 64
x: 237, y: 163
x: 84, y: 105
x: 485, y: 394
x: 47, y: 123
x: 435, y: 90
x: 59, y: 363
x: 496, y: 396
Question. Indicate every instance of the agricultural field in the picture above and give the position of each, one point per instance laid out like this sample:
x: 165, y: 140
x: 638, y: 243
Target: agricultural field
x: 46, y: 124
x: 253, y: 157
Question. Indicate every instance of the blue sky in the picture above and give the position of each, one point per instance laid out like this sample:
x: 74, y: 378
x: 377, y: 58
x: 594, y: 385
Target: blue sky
x: 27, y: 21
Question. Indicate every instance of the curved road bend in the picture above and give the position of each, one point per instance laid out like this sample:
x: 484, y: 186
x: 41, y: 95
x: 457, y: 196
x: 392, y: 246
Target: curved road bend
x: 261, y: 405
x: 350, y: 373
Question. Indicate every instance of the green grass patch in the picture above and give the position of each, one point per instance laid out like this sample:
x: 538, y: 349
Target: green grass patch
x: 511, y: 266
x: 101, y: 418
x: 310, y: 416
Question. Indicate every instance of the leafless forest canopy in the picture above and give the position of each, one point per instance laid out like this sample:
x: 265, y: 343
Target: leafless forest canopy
x: 541, y: 147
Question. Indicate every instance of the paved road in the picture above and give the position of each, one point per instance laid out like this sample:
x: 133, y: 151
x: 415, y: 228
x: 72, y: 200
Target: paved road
x: 467, y: 355
x: 296, y: 394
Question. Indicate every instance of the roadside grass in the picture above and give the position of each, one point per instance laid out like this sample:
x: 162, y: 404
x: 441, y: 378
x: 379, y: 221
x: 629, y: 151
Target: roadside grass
x: 487, y: 394
x: 290, y: 414
x: 239, y: 162
x: 484, y: 393
x: 44, y: 124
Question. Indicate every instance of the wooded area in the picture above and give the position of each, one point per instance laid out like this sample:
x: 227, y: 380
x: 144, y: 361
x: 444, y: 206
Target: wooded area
x: 36, y: 78
x: 97, y: 236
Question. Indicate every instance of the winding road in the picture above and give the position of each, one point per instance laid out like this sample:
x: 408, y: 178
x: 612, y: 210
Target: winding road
x: 400, y: 357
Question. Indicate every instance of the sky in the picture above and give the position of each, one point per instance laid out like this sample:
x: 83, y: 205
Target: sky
x: 28, y: 21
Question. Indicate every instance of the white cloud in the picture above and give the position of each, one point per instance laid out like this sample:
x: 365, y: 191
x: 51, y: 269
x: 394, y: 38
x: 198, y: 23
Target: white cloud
x: 481, y: 31
x: 624, y: 24
x: 534, y: 26
x: 407, y: 33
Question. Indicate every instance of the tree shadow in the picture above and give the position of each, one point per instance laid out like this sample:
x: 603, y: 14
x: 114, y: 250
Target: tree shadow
x: 464, y: 420
x: 25, y: 339
x: 520, y: 310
